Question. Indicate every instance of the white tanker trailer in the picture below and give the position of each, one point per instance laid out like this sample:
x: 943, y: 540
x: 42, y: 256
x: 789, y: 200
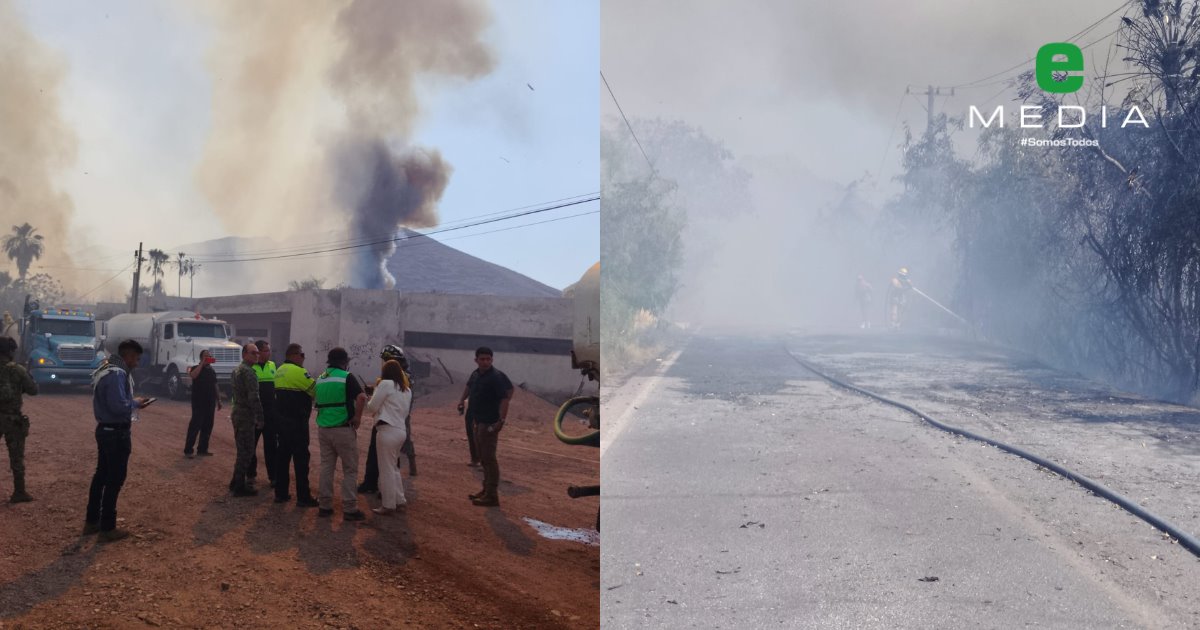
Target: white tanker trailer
x: 171, y: 343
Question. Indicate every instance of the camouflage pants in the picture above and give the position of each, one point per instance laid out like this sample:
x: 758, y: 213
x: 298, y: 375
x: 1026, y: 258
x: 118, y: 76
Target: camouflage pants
x: 15, y: 429
x: 243, y: 438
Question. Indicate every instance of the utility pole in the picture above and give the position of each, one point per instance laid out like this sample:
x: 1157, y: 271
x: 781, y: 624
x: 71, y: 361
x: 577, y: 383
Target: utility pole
x: 137, y: 277
x: 929, y: 94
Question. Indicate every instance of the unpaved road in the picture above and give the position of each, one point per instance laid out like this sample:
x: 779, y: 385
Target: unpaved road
x: 746, y: 492
x: 199, y: 558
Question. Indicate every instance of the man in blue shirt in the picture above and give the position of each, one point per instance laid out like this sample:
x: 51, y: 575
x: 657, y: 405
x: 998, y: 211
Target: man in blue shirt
x: 114, y: 406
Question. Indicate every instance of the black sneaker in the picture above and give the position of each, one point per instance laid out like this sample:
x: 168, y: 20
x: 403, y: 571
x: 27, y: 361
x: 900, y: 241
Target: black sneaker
x: 245, y: 492
x: 365, y: 489
x: 188, y: 454
x: 205, y: 454
x: 307, y: 502
x: 113, y: 535
x: 356, y: 515
x: 325, y: 512
x: 283, y: 499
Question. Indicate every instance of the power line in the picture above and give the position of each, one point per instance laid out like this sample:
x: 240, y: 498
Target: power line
x: 505, y: 229
x: 887, y: 147
x: 97, y: 287
x: 1097, y: 41
x: 364, y: 239
x: 405, y: 237
x: 1033, y: 58
x: 627, y: 125
x: 73, y: 268
x: 415, y: 242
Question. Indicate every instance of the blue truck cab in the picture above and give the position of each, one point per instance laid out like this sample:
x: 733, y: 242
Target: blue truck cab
x: 59, y: 345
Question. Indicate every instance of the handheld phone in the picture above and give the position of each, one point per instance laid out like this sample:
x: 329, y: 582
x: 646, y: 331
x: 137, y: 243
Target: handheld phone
x: 148, y: 401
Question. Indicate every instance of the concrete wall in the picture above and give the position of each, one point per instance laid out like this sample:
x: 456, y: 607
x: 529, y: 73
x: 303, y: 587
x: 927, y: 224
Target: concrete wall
x: 546, y: 373
x: 531, y: 335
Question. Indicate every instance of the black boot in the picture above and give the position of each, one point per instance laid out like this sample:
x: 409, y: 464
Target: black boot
x: 19, y: 495
x: 412, y: 465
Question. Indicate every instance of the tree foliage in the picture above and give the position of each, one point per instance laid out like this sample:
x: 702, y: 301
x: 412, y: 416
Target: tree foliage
x: 306, y: 284
x: 158, y: 265
x: 640, y: 238
x: 1088, y: 255
x: 24, y: 246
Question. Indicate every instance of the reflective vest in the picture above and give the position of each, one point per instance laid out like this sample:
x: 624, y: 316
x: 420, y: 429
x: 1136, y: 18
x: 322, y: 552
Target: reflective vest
x: 331, y: 398
x: 292, y: 377
x: 265, y: 373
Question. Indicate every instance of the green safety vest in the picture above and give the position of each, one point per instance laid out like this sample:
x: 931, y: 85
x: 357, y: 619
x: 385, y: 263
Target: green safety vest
x: 331, y: 398
x: 292, y: 377
x: 265, y: 373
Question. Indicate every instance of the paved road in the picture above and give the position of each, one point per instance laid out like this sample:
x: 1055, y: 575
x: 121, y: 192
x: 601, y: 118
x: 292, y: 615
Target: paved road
x: 742, y: 491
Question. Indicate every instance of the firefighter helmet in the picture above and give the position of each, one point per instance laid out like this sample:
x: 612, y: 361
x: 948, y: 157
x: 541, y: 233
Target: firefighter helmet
x: 392, y: 352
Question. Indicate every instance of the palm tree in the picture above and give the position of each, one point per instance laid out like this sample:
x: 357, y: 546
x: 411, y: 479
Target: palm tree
x: 23, y: 246
x: 158, y: 261
x: 188, y: 267
x: 181, y: 265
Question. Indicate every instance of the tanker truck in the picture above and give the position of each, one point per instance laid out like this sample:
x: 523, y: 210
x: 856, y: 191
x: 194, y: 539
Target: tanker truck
x: 171, y: 343
x: 58, y: 346
x: 578, y: 420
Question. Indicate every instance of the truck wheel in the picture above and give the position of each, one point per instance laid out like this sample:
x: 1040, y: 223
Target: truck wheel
x: 174, y: 384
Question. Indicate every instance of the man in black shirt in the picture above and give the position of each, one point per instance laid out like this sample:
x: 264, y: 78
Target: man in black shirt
x: 206, y: 400
x: 487, y: 395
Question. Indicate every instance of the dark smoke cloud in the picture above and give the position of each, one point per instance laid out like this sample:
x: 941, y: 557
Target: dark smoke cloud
x: 313, y: 99
x: 36, y: 146
x: 386, y: 190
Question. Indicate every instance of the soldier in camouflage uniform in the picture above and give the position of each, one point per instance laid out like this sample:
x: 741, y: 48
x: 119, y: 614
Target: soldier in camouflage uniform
x: 14, y: 381
x: 247, y: 416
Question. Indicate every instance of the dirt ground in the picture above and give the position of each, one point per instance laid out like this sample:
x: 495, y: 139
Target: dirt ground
x: 200, y: 558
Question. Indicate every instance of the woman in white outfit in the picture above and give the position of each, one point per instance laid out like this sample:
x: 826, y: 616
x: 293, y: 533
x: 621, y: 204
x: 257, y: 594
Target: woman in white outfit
x: 390, y: 404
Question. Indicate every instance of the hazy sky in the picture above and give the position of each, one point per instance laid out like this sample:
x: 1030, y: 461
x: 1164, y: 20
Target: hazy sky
x: 137, y: 95
x: 821, y: 82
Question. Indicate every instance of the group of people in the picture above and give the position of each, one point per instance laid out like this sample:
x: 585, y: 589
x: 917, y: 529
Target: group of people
x: 273, y: 404
x: 897, y: 295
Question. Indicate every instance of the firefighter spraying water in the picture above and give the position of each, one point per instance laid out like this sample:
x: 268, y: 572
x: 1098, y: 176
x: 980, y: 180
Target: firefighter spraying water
x: 899, y: 287
x: 897, y: 296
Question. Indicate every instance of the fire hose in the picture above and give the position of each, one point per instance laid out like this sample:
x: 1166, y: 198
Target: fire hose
x: 591, y: 438
x: 1185, y: 539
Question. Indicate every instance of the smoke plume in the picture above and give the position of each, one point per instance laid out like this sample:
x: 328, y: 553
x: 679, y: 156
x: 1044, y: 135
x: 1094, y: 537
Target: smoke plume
x: 314, y: 105
x: 36, y: 143
x: 388, y: 189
